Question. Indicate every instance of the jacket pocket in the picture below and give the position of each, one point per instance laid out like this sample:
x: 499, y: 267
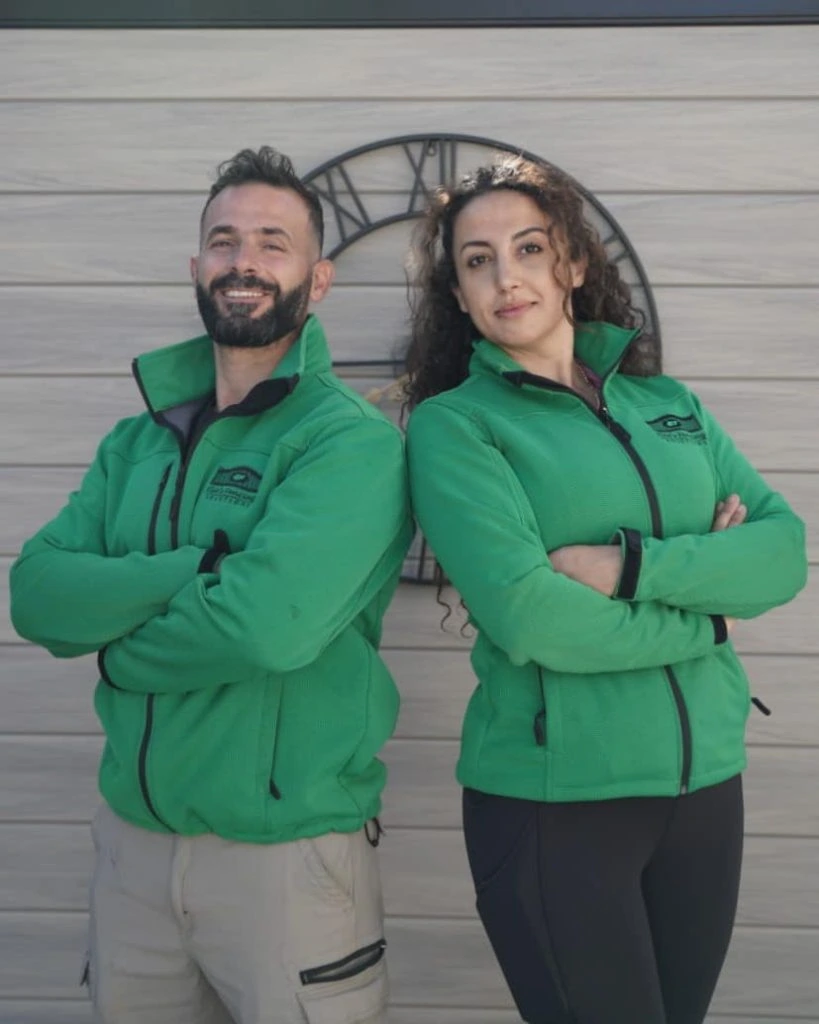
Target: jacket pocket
x: 539, y: 723
x: 272, y: 787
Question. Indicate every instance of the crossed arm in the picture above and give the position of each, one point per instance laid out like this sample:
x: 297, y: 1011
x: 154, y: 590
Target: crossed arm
x: 547, y: 609
x: 332, y: 535
x: 600, y: 566
x: 737, y: 573
x: 70, y: 596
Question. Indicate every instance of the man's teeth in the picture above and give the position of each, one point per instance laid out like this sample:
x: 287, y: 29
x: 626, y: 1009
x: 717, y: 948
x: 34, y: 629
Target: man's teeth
x: 235, y: 294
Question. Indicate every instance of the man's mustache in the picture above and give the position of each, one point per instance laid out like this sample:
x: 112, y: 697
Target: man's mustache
x: 237, y: 281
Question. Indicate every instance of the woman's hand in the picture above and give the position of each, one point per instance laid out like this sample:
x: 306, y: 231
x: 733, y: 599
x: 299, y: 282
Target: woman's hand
x: 599, y: 565
x: 728, y: 513
x: 595, y: 565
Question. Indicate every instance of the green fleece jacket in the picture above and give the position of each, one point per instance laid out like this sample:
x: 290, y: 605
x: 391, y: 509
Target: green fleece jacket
x: 582, y: 696
x: 243, y: 696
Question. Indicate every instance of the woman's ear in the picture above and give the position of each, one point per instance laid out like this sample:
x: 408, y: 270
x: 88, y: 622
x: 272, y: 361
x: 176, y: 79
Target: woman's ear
x: 577, y: 270
x: 456, y: 291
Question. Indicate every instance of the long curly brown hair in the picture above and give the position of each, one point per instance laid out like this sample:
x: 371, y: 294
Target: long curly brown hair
x: 437, y: 358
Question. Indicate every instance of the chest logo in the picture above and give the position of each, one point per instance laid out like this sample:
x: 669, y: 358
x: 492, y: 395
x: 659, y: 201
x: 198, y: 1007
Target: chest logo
x: 236, y: 485
x: 679, y: 429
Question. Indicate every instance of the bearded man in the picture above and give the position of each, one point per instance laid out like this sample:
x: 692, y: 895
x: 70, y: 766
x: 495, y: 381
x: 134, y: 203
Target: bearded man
x: 229, y: 556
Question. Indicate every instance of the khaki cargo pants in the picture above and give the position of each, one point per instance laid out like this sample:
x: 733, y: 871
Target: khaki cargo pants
x: 200, y: 930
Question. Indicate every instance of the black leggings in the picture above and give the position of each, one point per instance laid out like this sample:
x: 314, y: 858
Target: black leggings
x: 612, y: 911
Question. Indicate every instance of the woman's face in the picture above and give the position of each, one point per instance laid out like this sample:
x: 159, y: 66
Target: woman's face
x: 505, y: 267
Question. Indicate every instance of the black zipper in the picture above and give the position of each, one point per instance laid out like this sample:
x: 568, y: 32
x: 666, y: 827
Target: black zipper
x: 539, y: 724
x: 163, y: 483
x: 176, y: 500
x: 143, y: 761
x: 622, y: 435
x: 149, y: 700
x: 347, y: 967
x: 619, y: 432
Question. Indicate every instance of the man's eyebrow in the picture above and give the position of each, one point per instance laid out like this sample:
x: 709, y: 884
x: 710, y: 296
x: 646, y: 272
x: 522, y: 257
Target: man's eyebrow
x: 515, y: 237
x: 275, y: 231
x: 221, y: 229
x: 229, y: 229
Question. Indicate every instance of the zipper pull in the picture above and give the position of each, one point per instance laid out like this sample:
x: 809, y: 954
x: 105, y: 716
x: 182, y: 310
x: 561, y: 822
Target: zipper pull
x: 540, y: 728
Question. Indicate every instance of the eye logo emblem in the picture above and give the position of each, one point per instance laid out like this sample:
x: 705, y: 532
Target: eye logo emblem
x: 685, y: 429
x: 236, y: 485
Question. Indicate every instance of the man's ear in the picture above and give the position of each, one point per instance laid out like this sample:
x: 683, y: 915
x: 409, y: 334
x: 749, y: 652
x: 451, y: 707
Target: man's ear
x: 194, y: 268
x: 324, y: 273
x: 456, y: 291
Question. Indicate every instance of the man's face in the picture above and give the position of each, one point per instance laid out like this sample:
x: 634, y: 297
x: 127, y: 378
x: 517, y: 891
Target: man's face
x: 258, y: 267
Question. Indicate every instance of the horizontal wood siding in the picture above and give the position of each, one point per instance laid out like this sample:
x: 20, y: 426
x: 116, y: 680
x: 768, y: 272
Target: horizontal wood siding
x: 703, y: 143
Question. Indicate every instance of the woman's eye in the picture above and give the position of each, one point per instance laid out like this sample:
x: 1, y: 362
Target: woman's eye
x: 476, y: 260
x: 532, y: 247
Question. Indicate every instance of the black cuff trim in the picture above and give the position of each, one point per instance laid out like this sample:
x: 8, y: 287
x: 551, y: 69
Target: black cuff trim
x: 208, y: 560
x: 102, y: 669
x: 720, y: 629
x: 632, y: 562
x: 219, y: 548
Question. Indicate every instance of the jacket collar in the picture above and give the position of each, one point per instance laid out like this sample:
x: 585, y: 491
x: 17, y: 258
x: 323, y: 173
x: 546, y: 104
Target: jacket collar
x: 183, y: 373
x: 600, y: 346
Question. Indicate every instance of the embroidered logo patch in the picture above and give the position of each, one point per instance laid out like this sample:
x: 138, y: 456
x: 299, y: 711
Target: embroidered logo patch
x: 237, y: 485
x: 679, y: 429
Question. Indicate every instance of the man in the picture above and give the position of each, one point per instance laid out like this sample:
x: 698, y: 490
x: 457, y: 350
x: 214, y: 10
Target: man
x: 230, y: 555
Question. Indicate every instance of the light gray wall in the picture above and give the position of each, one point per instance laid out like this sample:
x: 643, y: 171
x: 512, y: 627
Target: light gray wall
x: 705, y: 145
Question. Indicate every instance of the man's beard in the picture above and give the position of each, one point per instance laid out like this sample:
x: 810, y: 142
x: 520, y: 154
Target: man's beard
x: 238, y: 328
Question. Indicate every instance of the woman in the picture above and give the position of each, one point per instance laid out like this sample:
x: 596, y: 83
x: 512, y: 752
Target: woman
x: 569, y: 490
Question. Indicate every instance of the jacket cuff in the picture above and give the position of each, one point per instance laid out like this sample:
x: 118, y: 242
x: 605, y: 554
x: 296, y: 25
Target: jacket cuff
x: 215, y: 553
x: 720, y: 629
x: 102, y: 669
x: 631, y: 548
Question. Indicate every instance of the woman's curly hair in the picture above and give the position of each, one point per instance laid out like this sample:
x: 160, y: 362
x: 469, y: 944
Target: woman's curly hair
x: 437, y: 358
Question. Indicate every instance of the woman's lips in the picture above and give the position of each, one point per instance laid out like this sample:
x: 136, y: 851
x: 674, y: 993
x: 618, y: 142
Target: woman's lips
x: 508, y: 312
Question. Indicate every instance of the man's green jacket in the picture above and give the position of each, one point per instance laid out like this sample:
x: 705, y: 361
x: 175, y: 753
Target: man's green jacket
x: 232, y: 571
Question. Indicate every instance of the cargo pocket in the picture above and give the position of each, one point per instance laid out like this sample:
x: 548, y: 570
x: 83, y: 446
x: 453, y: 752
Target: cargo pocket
x: 350, y: 990
x: 335, y: 930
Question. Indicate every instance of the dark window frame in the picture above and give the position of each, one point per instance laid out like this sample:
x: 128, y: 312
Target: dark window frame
x: 416, y: 14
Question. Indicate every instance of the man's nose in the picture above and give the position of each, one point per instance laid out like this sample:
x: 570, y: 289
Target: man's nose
x: 244, y: 257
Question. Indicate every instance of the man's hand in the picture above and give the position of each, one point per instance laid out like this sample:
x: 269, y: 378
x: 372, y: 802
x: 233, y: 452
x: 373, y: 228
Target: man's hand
x: 595, y: 565
x: 728, y: 513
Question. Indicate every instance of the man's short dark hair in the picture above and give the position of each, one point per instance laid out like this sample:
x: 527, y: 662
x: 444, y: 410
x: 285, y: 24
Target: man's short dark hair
x: 270, y: 167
